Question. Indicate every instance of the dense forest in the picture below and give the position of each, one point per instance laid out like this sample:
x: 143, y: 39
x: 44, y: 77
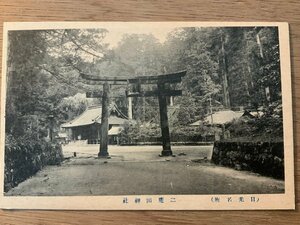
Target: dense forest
x: 227, y: 68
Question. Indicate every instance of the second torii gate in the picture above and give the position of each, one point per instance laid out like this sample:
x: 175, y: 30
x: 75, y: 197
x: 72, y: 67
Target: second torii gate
x: 162, y: 91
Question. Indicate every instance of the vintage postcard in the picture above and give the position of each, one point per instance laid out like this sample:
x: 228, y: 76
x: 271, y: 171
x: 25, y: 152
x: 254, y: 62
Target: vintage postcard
x: 146, y: 116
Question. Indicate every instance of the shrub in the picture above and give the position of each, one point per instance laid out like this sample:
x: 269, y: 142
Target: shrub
x: 25, y: 156
x: 266, y: 158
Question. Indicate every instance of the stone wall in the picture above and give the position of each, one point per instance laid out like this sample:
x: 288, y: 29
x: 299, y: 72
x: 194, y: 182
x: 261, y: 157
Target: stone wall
x: 265, y: 158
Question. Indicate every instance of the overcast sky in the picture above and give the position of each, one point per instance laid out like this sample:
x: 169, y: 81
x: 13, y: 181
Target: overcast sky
x: 116, y: 31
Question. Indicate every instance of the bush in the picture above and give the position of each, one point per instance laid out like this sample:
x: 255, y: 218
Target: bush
x: 266, y: 158
x: 25, y: 156
x: 134, y: 133
x: 267, y: 127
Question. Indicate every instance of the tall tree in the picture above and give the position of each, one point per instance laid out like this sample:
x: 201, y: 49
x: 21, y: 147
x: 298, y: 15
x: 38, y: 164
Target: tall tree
x: 26, y: 83
x: 187, y: 49
x: 142, y: 53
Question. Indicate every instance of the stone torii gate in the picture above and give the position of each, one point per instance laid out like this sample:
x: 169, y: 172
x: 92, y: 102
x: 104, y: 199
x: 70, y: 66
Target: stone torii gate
x: 162, y: 90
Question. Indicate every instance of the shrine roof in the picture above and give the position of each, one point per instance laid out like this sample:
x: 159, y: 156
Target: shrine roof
x: 91, y: 116
x: 220, y: 117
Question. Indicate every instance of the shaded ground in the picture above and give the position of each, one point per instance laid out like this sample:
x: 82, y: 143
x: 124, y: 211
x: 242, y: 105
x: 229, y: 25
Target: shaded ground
x: 135, y: 170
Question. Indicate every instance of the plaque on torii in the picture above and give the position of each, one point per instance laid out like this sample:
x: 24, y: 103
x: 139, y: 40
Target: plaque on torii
x: 162, y: 91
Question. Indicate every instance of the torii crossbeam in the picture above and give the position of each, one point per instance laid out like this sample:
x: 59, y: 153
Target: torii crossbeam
x: 163, y: 91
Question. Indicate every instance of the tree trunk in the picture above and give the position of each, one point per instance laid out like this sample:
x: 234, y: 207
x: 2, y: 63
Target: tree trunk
x: 171, y: 101
x: 225, y: 75
x: 267, y: 88
x: 260, y: 46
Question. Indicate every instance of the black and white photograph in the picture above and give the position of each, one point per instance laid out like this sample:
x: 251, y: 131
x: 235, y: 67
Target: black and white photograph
x: 158, y: 115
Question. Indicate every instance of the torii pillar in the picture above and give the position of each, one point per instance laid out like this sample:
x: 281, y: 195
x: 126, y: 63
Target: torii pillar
x: 104, y: 122
x: 164, y: 124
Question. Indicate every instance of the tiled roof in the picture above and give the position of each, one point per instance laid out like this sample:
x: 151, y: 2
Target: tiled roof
x: 115, y: 130
x: 220, y: 117
x: 114, y: 120
x: 91, y: 116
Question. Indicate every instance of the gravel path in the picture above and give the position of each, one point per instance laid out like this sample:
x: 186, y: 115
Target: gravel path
x: 139, y: 170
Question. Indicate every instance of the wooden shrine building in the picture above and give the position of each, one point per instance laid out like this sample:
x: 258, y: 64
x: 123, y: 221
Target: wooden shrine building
x: 87, y: 126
